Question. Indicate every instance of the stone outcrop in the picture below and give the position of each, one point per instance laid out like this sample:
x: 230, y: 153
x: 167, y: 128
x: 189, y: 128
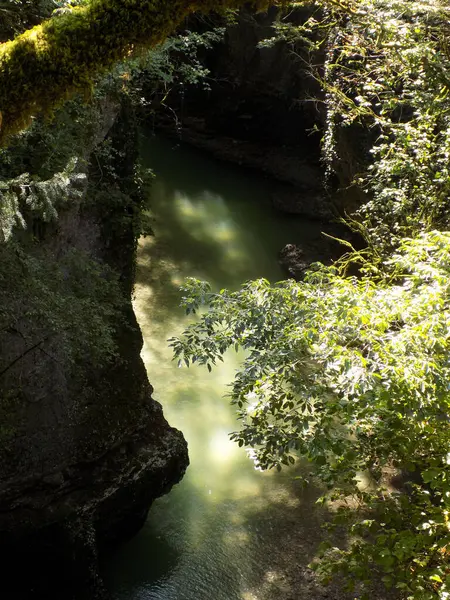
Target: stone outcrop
x: 297, y: 258
x: 84, y: 451
x: 264, y: 109
x: 308, y: 202
x: 292, y: 259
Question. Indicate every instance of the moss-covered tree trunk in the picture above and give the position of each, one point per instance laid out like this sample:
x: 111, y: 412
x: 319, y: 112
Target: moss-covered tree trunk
x: 48, y: 63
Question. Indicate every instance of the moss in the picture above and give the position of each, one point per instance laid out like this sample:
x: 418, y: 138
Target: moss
x: 48, y: 63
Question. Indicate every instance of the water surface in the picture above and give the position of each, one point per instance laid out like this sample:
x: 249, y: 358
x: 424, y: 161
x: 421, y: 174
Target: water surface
x: 227, y: 531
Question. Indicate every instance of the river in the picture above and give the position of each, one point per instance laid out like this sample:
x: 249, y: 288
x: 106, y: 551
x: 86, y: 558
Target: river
x: 227, y: 531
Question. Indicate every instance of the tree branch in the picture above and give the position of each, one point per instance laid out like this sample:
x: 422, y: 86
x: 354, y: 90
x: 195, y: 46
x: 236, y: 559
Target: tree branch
x: 44, y: 66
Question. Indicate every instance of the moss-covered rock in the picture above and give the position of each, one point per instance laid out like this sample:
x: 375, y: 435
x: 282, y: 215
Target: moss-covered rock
x: 84, y: 449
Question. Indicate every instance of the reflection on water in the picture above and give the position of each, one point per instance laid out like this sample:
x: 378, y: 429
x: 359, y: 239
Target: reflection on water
x: 227, y: 531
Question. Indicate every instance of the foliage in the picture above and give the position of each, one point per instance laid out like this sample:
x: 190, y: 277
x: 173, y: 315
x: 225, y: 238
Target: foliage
x: 120, y: 198
x: 149, y: 78
x: 23, y: 198
x: 351, y: 374
x: 386, y: 80
x: 46, y: 165
x: 18, y: 15
x: 47, y: 64
x: 39, y: 176
x: 388, y: 73
x: 48, y: 146
x: 37, y: 164
x: 177, y: 59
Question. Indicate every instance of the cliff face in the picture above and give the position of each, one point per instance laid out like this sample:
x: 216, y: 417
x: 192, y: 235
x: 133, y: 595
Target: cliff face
x: 262, y: 109
x: 264, y: 92
x: 265, y: 108
x: 84, y: 449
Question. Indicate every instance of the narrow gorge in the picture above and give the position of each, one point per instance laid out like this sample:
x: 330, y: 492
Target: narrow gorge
x: 259, y: 194
x: 85, y: 448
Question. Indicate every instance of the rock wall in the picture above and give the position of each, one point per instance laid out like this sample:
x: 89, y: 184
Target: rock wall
x: 84, y: 449
x: 262, y: 110
x: 263, y: 93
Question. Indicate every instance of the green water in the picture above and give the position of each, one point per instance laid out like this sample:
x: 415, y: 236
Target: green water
x: 227, y: 531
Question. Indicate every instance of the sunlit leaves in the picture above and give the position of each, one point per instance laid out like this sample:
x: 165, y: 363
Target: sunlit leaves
x: 389, y: 72
x: 24, y: 196
x: 351, y: 374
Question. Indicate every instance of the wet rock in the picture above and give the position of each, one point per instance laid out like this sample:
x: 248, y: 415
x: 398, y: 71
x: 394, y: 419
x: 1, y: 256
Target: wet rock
x: 293, y: 261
